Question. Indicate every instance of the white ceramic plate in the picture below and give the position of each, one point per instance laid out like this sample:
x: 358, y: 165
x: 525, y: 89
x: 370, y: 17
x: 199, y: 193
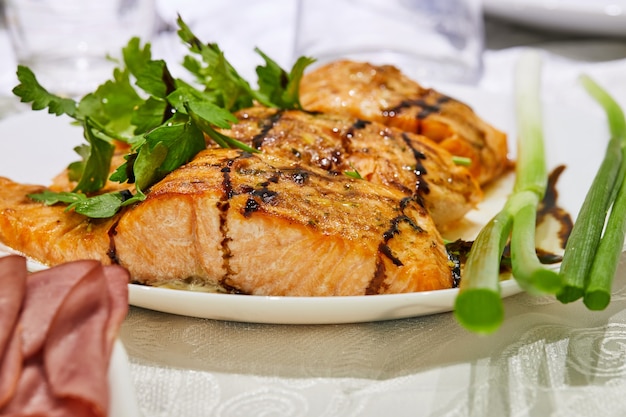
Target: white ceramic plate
x: 594, y: 17
x: 35, y: 146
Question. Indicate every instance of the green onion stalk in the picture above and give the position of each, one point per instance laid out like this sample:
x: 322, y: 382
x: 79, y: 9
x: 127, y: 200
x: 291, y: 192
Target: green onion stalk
x: 597, y: 239
x: 478, y: 306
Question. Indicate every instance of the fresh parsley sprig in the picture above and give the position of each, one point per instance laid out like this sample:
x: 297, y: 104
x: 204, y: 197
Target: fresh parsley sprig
x: 164, y: 120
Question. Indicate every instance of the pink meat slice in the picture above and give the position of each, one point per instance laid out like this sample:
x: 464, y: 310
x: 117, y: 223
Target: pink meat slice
x: 10, y: 368
x: 84, y: 390
x: 76, y: 351
x: 13, y: 274
x: 34, y: 398
x: 46, y: 291
x: 117, y: 279
x: 69, y: 321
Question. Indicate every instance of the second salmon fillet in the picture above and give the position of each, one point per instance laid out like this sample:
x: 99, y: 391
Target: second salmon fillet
x: 382, y: 93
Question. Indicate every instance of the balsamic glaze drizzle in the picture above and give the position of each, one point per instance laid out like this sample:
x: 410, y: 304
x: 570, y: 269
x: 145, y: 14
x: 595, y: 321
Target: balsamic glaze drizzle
x: 112, y: 251
x: 426, y: 109
x: 421, y: 186
x: 377, y: 281
x: 268, y: 124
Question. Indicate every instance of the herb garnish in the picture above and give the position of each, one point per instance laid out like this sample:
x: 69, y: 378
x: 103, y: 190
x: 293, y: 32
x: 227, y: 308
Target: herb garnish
x: 164, y: 120
x: 353, y: 173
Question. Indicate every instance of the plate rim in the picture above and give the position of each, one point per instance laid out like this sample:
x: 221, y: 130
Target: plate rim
x: 303, y: 310
x: 584, y: 18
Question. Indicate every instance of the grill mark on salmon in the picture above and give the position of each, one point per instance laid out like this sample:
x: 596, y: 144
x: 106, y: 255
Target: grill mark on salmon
x: 376, y: 284
x: 112, y: 252
x: 421, y: 186
x: 425, y: 108
x: 257, y: 141
x: 223, y: 206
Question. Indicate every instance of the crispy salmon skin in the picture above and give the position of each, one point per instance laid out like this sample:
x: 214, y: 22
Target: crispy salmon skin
x: 246, y: 223
x: 382, y: 93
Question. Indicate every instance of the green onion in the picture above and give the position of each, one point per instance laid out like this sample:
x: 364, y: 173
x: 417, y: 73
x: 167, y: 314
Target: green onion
x: 586, y: 268
x: 598, y: 292
x: 531, y: 181
x: 353, y: 173
x: 478, y: 306
x: 590, y: 258
x: 461, y: 160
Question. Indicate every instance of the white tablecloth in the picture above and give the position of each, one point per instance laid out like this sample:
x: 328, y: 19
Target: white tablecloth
x: 548, y: 359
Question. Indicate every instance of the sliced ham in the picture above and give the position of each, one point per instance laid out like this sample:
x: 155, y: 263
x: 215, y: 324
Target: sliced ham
x: 117, y: 279
x: 13, y: 284
x: 10, y: 368
x: 60, y: 345
x: 45, y: 292
x: 80, y: 326
x: 32, y: 398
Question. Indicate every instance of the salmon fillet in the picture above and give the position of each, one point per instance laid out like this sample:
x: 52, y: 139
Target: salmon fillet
x: 408, y: 162
x: 384, y: 94
x: 251, y: 224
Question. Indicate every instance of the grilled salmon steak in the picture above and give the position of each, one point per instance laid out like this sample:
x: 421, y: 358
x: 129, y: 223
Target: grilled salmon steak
x: 246, y: 223
x: 408, y: 162
x: 384, y: 94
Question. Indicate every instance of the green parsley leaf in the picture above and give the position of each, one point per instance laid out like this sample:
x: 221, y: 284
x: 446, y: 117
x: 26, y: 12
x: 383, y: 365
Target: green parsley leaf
x: 167, y: 148
x: 219, y: 138
x: 97, y: 164
x: 50, y: 198
x: 76, y: 169
x: 276, y: 87
x: 30, y: 91
x: 147, y: 165
x: 150, y: 114
x: 187, y: 97
x: 152, y: 76
x: 101, y: 206
x: 222, y: 82
x: 111, y: 106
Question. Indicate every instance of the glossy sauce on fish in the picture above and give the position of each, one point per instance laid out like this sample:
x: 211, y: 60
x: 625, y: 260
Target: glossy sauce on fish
x: 383, y: 94
x: 410, y: 163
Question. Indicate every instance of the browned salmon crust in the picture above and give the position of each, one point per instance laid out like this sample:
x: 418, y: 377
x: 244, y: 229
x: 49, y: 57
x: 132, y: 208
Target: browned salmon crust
x: 384, y: 94
x: 337, y: 144
x: 252, y: 224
